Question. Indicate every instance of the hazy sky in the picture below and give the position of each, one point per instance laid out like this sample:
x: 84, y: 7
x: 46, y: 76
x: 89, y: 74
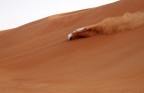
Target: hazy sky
x: 14, y: 13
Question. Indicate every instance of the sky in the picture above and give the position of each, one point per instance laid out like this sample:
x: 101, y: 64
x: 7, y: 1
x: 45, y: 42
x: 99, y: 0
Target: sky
x: 14, y: 13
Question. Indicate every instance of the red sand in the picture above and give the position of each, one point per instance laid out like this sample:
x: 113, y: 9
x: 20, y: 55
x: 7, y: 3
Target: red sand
x: 37, y: 58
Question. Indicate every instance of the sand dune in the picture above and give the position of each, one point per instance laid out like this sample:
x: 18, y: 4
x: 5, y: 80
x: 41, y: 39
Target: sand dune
x: 37, y: 58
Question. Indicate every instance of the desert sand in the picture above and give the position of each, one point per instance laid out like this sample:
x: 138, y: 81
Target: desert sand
x: 38, y: 58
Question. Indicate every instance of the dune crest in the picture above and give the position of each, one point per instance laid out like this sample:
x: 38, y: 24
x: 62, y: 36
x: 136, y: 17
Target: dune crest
x: 111, y: 25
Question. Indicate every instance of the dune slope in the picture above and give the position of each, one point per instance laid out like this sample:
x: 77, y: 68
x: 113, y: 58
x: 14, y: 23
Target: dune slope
x: 37, y: 58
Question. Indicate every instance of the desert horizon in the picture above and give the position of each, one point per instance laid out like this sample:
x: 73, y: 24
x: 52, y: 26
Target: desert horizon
x: 16, y: 13
x: 38, y: 58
